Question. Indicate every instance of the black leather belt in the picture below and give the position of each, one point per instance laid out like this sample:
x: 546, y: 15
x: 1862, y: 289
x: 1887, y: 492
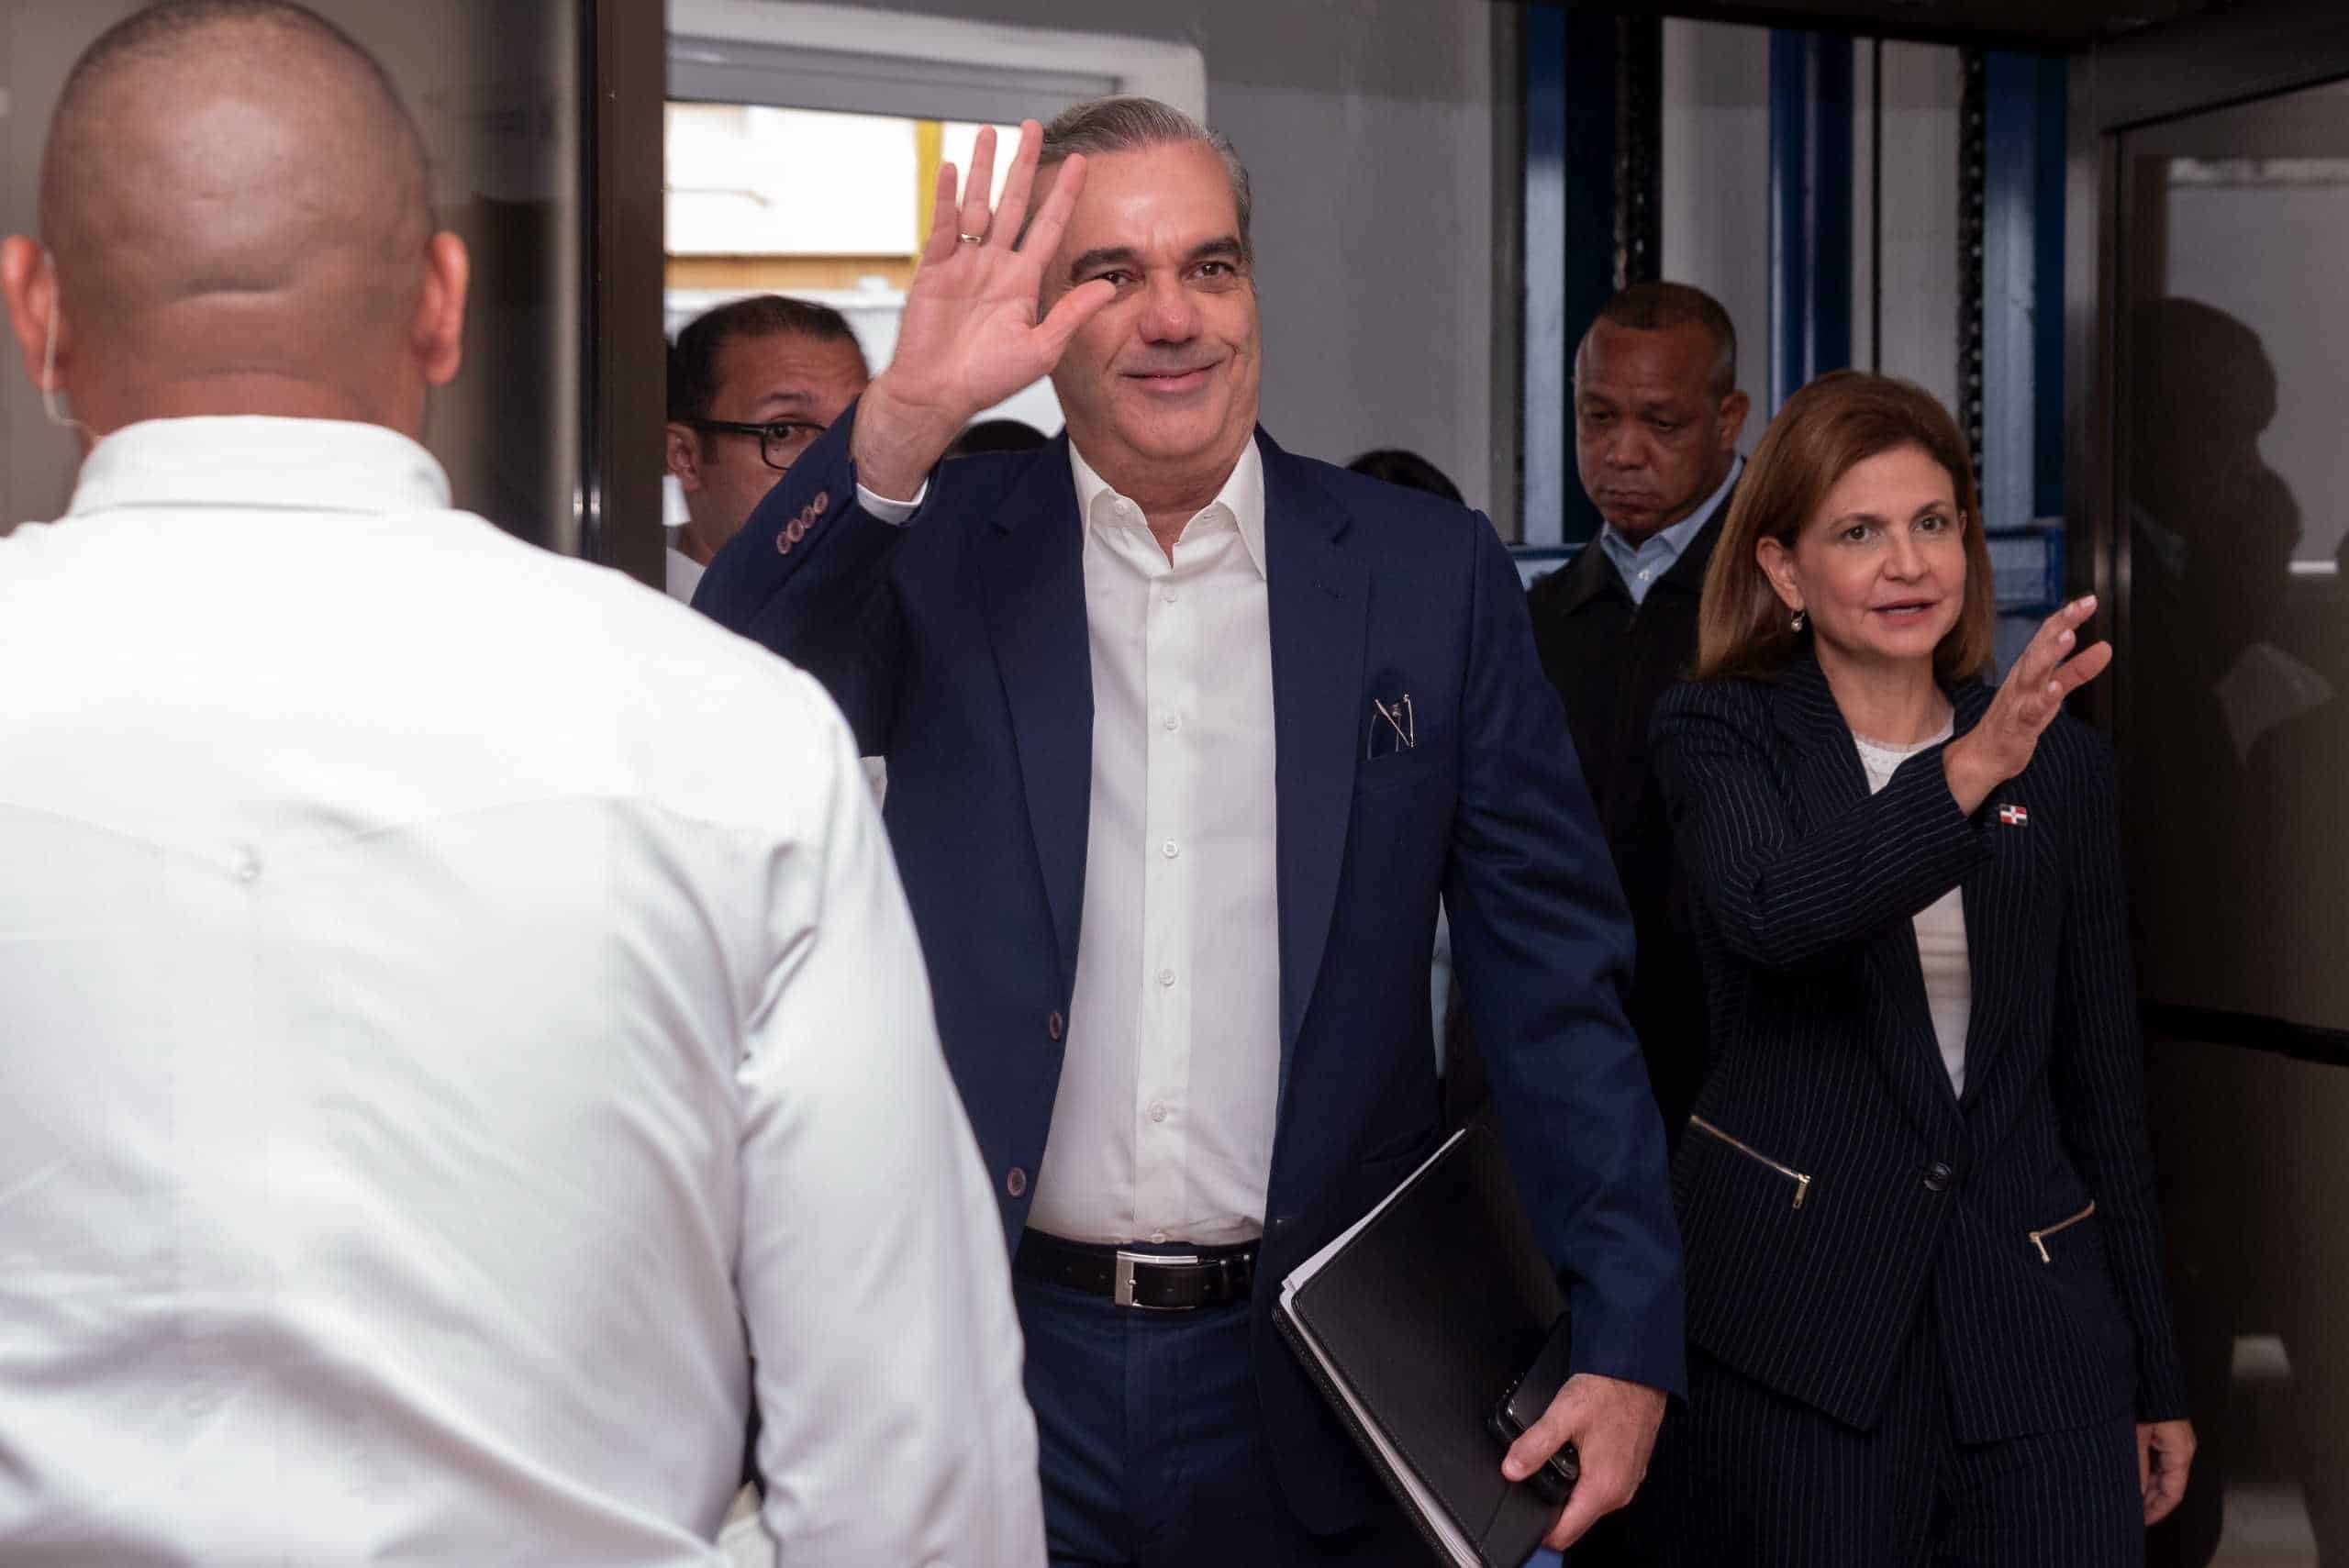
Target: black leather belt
x: 1178, y: 1281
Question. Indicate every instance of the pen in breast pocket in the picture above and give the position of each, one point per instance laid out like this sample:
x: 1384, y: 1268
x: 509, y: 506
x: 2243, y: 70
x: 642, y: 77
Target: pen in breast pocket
x: 1399, y: 719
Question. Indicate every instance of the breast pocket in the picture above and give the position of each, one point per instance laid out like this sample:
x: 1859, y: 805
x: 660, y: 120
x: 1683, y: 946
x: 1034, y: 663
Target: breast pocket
x: 1399, y: 769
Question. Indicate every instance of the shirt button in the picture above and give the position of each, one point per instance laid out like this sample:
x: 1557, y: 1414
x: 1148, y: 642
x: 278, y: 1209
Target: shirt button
x: 1168, y: 849
x: 1158, y: 1237
x: 1173, y: 722
x: 1168, y: 596
x: 1938, y: 1177
x: 1015, y: 1182
x: 1166, y: 977
x: 248, y: 866
x: 1158, y: 1110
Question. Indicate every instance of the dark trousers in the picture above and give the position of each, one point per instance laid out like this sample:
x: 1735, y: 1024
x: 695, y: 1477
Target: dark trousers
x: 1745, y: 1477
x: 1153, y: 1444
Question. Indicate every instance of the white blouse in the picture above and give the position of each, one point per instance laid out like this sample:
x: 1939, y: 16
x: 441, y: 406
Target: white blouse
x: 1940, y: 926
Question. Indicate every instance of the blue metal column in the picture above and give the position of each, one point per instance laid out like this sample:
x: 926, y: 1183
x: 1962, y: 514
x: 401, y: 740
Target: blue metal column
x: 2047, y: 312
x: 2022, y: 279
x: 2012, y: 351
x: 1570, y: 114
x: 1810, y: 209
x: 1542, y: 435
x: 1592, y: 106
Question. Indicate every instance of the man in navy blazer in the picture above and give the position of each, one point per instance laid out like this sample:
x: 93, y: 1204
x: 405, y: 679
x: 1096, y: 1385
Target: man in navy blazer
x: 1185, y: 737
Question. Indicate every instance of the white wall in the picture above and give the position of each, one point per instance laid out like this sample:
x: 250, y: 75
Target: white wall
x: 747, y: 180
x: 1921, y: 92
x: 1715, y: 185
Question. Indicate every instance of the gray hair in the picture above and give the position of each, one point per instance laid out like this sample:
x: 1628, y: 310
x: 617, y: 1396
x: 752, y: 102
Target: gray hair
x: 1101, y: 126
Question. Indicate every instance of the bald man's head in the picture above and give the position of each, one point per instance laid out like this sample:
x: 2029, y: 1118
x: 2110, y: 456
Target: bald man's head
x: 236, y: 202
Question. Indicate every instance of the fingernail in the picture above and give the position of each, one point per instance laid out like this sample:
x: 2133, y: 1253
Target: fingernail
x: 1513, y: 1470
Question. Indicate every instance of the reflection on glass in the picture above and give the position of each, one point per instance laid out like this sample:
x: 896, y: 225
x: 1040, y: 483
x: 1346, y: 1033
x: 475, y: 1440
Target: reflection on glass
x: 2234, y: 380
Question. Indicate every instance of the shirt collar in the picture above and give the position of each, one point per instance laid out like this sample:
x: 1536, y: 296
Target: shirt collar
x: 682, y: 573
x: 324, y: 465
x: 1672, y: 543
x: 1242, y: 497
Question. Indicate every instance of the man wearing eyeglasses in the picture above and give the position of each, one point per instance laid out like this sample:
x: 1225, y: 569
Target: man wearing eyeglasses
x: 751, y: 385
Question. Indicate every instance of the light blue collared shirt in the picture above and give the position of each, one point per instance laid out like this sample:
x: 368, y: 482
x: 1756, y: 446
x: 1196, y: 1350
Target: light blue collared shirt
x: 1641, y: 565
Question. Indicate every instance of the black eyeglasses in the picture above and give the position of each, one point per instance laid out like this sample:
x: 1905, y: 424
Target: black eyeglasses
x: 781, y: 442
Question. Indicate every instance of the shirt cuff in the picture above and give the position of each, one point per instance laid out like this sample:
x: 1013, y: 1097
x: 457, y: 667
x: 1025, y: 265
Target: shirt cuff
x: 896, y: 513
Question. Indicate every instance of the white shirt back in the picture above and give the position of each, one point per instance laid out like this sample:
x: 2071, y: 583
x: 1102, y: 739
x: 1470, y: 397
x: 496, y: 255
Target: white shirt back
x: 454, y: 998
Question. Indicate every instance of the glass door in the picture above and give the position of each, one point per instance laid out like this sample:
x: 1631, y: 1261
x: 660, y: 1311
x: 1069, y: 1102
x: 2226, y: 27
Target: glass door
x: 2214, y: 425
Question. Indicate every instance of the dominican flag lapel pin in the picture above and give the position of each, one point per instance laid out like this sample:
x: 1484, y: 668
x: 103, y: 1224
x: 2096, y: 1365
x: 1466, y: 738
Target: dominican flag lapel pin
x: 2014, y: 815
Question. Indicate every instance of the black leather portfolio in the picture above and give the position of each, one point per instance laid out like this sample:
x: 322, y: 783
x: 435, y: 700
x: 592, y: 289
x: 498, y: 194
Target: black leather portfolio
x: 1416, y: 1323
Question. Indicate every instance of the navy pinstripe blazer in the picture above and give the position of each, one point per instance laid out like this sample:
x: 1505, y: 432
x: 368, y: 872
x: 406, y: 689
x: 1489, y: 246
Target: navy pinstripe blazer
x: 1830, y: 1186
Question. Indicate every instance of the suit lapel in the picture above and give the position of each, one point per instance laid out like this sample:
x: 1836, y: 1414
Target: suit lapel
x: 1032, y: 566
x: 1318, y: 597
x: 1828, y: 770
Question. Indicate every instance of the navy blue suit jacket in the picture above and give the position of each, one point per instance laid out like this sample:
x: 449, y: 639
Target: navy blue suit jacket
x: 1824, y: 1062
x: 957, y: 647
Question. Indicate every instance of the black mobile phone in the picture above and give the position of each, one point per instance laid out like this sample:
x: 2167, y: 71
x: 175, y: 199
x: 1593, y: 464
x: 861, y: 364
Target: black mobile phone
x: 1554, y: 1482
x: 1525, y: 1403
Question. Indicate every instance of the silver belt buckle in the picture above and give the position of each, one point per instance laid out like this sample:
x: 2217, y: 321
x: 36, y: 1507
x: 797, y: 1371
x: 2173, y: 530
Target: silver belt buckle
x: 1122, y: 1293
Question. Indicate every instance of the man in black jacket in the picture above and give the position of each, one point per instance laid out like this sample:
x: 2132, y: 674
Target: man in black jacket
x: 1657, y: 414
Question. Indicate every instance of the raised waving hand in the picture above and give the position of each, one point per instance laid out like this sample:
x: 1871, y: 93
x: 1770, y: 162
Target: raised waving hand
x: 970, y: 335
x: 2047, y: 670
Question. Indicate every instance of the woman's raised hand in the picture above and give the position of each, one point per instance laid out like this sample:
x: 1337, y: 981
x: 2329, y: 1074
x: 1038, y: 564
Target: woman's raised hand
x: 2051, y: 668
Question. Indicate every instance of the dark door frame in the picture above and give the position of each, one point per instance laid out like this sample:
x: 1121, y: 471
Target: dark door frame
x: 624, y: 353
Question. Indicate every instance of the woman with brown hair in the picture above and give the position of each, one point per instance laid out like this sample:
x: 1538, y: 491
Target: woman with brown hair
x: 1925, y: 1301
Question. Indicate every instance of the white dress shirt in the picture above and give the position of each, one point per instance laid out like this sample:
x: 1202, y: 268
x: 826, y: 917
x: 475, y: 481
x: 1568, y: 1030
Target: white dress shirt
x: 444, y: 1047
x: 681, y: 573
x: 1162, y: 1126
x: 1940, y: 927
